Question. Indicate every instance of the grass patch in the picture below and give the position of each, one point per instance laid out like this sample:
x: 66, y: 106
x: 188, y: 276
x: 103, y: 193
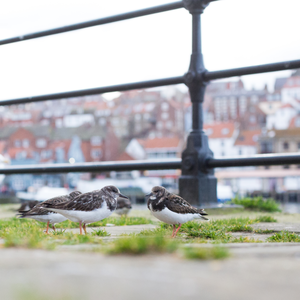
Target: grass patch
x: 142, y: 245
x: 244, y: 239
x: 206, y: 253
x: 267, y: 219
x: 258, y: 204
x: 118, y: 221
x: 100, y: 232
x: 284, y: 237
x: 217, y: 231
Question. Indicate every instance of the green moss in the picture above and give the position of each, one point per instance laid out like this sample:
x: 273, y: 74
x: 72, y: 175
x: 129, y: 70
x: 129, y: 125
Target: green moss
x: 142, y: 245
x: 118, y: 221
x: 100, y: 232
x: 268, y: 219
x: 284, y: 237
x: 206, y: 253
x: 244, y: 239
x: 258, y: 204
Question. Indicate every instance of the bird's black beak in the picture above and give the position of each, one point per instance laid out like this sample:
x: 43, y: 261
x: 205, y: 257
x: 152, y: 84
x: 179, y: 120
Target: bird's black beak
x: 148, y: 195
x: 123, y: 196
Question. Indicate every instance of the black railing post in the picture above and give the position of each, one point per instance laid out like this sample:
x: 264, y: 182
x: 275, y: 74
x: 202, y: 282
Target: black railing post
x: 197, y: 183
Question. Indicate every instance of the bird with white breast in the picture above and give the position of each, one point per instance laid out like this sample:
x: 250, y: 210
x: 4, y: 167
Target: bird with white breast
x: 172, y: 209
x: 89, y: 207
x: 41, y: 214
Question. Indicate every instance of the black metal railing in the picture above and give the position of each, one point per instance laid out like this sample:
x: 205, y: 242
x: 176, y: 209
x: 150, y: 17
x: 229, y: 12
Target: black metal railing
x: 197, y: 183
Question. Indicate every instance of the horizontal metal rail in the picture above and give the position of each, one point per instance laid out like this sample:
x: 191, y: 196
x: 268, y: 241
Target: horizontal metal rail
x: 285, y: 65
x: 175, y: 163
x: 280, y: 66
x: 99, y: 90
x: 94, y: 167
x: 102, y: 21
x: 257, y: 160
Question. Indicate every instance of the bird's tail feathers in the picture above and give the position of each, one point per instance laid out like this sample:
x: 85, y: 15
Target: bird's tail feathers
x: 202, y: 212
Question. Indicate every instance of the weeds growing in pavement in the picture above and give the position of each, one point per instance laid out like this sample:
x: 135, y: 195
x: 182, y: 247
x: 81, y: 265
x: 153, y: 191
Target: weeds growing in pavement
x: 284, y: 237
x: 267, y: 219
x: 258, y: 203
x: 100, y: 232
x: 141, y: 245
x: 206, y: 253
x: 118, y: 221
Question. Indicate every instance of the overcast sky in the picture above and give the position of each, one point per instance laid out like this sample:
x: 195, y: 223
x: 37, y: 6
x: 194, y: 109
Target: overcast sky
x: 236, y: 33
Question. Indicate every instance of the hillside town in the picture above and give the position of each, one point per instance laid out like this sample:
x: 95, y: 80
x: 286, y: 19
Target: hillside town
x: 154, y: 124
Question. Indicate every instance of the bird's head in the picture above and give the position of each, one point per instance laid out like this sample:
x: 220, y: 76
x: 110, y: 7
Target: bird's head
x: 113, y: 192
x: 156, y: 193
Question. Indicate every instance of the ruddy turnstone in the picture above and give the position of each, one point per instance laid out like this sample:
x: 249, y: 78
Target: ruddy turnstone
x: 43, y: 215
x: 28, y: 205
x: 172, y: 209
x: 89, y: 207
x: 123, y: 206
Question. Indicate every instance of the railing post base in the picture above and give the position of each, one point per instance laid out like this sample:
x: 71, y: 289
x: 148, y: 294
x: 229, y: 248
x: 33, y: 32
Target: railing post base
x: 197, y: 184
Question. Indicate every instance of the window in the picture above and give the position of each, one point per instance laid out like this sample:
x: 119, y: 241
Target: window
x: 96, y: 153
x: 298, y: 144
x: 21, y: 155
x: 164, y: 115
x: 96, y: 140
x: 209, y: 131
x: 225, y: 131
x: 159, y: 125
x: 165, y: 106
x: 240, y: 151
x: 17, y: 143
x: 46, y: 154
x: 41, y: 143
x: 252, y: 119
x: 169, y: 124
x: 266, y: 147
x: 25, y: 143
x: 285, y: 145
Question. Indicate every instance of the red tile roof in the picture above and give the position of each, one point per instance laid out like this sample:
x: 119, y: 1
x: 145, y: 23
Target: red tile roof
x: 219, y: 130
x: 2, y: 146
x: 248, y: 138
x: 160, y: 143
x: 124, y: 156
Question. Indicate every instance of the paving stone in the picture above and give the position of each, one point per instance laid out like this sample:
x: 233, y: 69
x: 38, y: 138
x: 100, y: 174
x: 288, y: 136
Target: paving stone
x: 292, y: 227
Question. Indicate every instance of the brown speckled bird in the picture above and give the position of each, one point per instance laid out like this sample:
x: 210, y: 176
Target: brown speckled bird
x: 172, y: 209
x: 43, y: 215
x: 89, y: 207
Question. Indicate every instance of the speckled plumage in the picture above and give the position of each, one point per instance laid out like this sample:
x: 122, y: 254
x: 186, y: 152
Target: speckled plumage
x: 89, y: 207
x: 123, y: 206
x: 171, y: 208
x: 39, y: 213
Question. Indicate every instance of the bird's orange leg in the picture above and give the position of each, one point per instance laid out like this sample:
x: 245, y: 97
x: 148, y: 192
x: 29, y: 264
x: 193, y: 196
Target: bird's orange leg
x: 53, y: 227
x: 84, y: 228
x: 174, y: 228
x: 47, y: 229
x: 177, y: 230
x: 80, y: 227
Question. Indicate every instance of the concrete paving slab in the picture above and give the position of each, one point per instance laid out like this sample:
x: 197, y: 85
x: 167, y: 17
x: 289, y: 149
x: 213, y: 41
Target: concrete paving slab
x: 249, y: 274
x: 292, y: 227
x: 118, y: 230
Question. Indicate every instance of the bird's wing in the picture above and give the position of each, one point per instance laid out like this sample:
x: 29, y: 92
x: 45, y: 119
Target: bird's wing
x: 37, y: 210
x: 74, y: 194
x: 123, y: 203
x: 85, y: 202
x: 179, y: 205
x: 57, y: 200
